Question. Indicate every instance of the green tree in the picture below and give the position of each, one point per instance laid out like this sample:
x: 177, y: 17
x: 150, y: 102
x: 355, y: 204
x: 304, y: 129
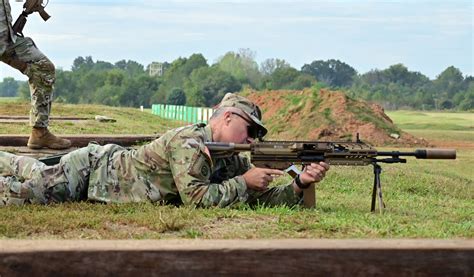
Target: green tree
x: 131, y: 67
x: 208, y: 85
x: 468, y: 102
x: 242, y: 66
x: 177, y: 75
x: 268, y: 66
x: 24, y: 90
x: 332, y: 72
x: 65, y: 88
x: 400, y: 74
x: 177, y: 97
x: 82, y: 63
x: 9, y: 87
x: 302, y: 81
x: 282, y: 77
x: 449, y: 82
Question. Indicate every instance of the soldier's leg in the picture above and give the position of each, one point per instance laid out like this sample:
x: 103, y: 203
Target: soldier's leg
x: 76, y: 168
x: 275, y: 196
x: 34, y: 182
x: 13, y: 192
x: 20, y: 166
x: 27, y: 58
x: 21, y: 180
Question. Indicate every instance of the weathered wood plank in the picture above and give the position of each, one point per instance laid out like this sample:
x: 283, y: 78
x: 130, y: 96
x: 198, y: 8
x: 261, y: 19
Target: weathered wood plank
x: 15, y: 117
x: 39, y: 153
x: 304, y: 257
x: 82, y: 140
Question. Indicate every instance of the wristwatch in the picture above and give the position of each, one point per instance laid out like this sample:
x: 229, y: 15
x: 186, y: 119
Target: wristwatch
x: 299, y: 184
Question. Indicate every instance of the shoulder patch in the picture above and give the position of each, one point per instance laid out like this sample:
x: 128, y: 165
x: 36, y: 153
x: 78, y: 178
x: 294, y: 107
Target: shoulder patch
x: 200, y: 168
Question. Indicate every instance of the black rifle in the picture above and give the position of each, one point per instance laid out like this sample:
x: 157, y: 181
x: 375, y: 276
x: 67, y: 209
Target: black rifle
x: 29, y: 7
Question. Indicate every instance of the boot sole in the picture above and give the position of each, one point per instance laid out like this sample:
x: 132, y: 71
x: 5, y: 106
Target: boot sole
x: 34, y: 146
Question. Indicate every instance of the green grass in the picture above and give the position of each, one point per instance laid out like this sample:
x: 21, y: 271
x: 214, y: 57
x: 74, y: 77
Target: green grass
x: 448, y: 129
x: 129, y: 120
x: 424, y: 199
x: 415, y: 120
x: 443, y: 135
x: 369, y: 116
x: 11, y: 99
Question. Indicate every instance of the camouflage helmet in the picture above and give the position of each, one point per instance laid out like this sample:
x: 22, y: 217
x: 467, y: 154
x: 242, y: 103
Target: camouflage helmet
x: 249, y: 108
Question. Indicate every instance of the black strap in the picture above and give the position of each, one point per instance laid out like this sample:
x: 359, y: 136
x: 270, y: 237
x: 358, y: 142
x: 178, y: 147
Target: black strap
x: 299, y: 184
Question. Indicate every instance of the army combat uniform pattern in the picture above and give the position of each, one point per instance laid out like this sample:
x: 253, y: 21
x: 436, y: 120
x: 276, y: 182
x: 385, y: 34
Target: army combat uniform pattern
x: 174, y: 168
x: 21, y: 53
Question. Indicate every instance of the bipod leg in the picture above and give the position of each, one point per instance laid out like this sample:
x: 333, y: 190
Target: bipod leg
x: 377, y: 189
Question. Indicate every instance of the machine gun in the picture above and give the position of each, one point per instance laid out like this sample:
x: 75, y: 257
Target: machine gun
x: 30, y: 7
x: 284, y: 155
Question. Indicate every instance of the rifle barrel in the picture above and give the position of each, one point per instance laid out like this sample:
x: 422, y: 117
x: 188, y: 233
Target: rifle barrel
x: 431, y: 153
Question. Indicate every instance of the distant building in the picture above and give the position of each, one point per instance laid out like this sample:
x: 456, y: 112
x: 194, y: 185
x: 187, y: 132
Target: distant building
x: 156, y: 69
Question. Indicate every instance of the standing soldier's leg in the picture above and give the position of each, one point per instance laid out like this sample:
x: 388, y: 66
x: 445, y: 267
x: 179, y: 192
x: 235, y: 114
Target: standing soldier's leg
x: 26, y: 57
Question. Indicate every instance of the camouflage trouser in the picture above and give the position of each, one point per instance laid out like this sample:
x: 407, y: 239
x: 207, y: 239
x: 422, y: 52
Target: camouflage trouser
x: 28, y: 59
x: 26, y: 180
x: 275, y: 196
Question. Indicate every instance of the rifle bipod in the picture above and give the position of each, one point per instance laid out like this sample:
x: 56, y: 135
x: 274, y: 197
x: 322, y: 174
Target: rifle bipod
x: 377, y: 190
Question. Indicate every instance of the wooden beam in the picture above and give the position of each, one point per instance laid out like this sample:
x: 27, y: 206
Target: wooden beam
x: 15, y: 117
x: 82, y: 140
x: 302, y: 257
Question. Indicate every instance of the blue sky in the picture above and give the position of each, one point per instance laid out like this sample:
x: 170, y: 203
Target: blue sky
x: 426, y: 36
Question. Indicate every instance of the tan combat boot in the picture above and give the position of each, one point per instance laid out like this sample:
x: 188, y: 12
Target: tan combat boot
x: 41, y: 137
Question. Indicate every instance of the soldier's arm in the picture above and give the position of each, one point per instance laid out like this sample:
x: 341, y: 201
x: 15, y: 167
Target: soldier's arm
x: 191, y: 169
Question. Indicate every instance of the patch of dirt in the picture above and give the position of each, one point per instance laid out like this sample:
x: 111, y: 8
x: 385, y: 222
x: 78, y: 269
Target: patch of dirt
x: 328, y: 115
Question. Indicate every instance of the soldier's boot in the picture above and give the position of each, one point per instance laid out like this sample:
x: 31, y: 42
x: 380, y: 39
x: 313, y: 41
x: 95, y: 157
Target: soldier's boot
x: 41, y: 137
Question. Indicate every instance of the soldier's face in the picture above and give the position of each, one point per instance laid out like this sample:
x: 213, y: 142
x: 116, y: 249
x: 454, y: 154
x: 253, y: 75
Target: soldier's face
x: 238, y: 128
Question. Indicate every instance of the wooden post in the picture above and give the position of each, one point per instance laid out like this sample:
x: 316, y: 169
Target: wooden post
x: 309, y: 197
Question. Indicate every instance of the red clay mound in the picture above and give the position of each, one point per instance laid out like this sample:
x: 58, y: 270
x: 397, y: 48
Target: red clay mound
x: 327, y: 115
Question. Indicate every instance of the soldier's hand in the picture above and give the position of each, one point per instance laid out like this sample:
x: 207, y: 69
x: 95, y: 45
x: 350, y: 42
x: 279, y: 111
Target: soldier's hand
x: 314, y: 172
x: 259, y: 178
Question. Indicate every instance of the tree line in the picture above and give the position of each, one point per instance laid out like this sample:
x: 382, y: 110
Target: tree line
x: 193, y: 81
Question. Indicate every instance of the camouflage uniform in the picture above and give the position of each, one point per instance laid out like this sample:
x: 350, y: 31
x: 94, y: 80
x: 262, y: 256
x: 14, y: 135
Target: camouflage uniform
x: 22, y: 54
x: 172, y: 169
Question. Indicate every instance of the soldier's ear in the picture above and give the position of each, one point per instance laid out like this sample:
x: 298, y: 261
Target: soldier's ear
x: 227, y: 116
